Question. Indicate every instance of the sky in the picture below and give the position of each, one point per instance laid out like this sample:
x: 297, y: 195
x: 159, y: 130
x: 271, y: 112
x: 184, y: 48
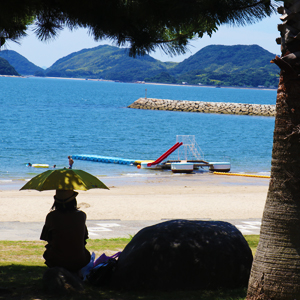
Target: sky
x: 44, y: 54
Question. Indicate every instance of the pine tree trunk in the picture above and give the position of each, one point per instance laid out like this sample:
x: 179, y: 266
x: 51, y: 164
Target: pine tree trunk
x: 275, y: 271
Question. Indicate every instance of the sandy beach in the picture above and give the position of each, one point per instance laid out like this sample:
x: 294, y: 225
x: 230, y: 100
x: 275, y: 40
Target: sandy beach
x: 184, y: 196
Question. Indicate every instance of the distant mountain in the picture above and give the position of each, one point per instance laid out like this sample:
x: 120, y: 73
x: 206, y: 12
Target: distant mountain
x: 6, y: 68
x: 22, y: 65
x: 239, y: 65
x: 228, y: 59
x: 107, y: 62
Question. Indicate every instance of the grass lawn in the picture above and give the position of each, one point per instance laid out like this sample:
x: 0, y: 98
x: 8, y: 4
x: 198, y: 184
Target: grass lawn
x: 22, y: 267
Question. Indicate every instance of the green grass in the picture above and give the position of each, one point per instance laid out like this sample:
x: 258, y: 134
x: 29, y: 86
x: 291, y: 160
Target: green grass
x: 252, y: 241
x: 22, y: 267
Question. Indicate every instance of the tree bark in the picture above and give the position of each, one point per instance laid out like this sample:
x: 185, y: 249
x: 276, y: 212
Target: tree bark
x: 275, y: 271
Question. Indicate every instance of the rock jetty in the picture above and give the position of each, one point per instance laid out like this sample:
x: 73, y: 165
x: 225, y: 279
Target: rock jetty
x: 205, y: 107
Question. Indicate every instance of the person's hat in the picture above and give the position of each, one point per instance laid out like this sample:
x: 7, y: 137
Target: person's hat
x: 64, y: 196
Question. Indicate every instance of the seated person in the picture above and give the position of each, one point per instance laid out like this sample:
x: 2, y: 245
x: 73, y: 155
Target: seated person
x: 66, y: 233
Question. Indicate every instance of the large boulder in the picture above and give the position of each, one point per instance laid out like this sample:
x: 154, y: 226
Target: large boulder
x: 182, y: 254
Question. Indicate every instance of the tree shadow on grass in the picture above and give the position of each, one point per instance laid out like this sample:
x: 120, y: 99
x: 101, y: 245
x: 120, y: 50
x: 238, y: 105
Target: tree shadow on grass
x: 25, y: 282
x: 18, y: 281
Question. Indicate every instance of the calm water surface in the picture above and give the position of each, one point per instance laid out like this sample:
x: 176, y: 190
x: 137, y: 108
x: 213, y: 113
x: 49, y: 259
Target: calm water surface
x: 44, y: 120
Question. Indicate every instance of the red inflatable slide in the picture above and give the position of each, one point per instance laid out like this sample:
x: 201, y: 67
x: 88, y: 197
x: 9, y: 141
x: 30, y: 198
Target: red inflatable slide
x: 165, y: 155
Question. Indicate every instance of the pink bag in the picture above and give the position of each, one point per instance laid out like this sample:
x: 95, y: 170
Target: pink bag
x: 103, y: 258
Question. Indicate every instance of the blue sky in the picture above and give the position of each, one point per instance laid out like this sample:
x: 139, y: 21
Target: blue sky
x: 44, y: 54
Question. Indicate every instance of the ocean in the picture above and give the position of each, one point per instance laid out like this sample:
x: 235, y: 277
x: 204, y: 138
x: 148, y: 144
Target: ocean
x: 44, y: 120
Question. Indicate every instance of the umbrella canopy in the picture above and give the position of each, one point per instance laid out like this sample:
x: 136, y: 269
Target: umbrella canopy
x: 64, y: 179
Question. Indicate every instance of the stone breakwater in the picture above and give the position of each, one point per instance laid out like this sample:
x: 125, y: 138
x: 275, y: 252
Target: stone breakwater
x: 204, y: 107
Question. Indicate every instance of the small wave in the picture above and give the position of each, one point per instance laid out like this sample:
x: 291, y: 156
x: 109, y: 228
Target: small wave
x: 137, y: 174
x: 5, y: 180
x: 264, y: 173
x: 253, y: 173
x: 140, y: 175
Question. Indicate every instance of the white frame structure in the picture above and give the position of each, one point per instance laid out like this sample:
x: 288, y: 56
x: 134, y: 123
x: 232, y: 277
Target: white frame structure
x: 189, y: 149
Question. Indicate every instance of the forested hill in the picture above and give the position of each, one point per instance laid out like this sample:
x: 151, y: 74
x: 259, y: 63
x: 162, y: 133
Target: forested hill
x: 6, y: 68
x: 232, y: 59
x: 22, y: 65
x: 239, y: 65
x: 107, y: 62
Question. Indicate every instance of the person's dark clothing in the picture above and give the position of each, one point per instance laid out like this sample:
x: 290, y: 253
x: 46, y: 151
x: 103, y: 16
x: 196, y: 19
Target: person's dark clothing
x: 66, y: 234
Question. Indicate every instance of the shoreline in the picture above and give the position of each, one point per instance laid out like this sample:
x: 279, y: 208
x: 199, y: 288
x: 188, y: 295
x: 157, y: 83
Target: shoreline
x: 14, y: 184
x: 150, y: 83
x: 154, y: 198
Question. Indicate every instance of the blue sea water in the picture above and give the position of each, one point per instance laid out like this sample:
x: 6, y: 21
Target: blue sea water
x: 44, y: 120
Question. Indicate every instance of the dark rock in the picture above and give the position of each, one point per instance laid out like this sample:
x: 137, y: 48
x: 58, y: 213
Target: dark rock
x: 182, y: 254
x: 60, y: 280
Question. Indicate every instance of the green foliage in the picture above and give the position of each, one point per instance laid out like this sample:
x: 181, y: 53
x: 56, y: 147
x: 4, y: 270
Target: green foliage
x: 213, y: 65
x: 107, y: 62
x: 39, y: 73
x: 216, y: 65
x: 223, y: 59
x: 15, y: 17
x: 143, y: 25
x: 163, y: 77
x: 20, y: 63
x: 246, y: 78
x: 238, y: 65
x: 6, y: 68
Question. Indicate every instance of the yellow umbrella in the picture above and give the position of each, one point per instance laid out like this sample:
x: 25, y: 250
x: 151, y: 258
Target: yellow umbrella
x: 64, y: 179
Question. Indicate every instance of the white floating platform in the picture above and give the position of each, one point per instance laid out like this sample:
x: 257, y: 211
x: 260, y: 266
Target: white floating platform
x: 219, y: 166
x: 188, y: 167
x: 182, y: 167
